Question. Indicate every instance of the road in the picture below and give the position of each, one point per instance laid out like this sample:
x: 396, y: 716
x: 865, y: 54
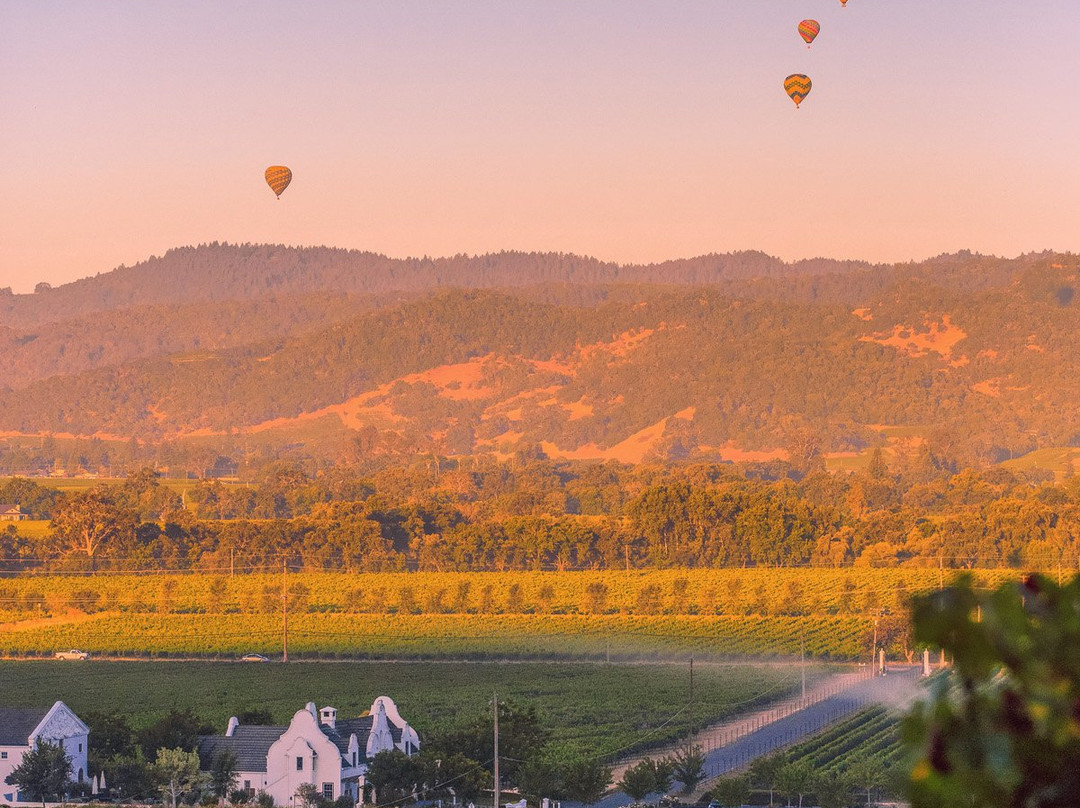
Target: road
x: 733, y: 746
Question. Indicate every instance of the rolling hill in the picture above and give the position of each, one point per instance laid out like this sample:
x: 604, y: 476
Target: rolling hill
x: 350, y: 357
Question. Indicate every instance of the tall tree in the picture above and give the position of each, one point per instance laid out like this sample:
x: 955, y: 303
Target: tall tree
x: 44, y: 772
x: 87, y: 521
x: 796, y: 779
x: 688, y: 767
x: 394, y: 775
x: 177, y: 729
x: 639, y: 780
x: 224, y: 775
x: 587, y: 780
x: 178, y: 774
x: 731, y: 792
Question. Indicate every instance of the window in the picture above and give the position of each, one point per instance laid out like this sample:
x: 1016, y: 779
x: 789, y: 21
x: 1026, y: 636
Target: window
x: 328, y: 790
x: 299, y: 763
x: 3, y: 755
x: 80, y: 747
x: 247, y: 787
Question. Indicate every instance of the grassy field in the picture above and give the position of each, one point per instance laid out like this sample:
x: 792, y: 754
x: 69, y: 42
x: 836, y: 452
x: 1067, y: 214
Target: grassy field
x: 1062, y: 461
x: 594, y: 707
x: 76, y: 484
x: 32, y: 528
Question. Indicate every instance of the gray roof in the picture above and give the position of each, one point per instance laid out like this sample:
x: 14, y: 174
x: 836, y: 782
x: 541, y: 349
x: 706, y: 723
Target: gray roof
x: 250, y: 744
x: 361, y: 728
x: 16, y: 723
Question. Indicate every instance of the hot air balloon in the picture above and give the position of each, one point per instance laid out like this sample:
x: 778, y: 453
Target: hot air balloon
x: 843, y: 3
x: 798, y: 87
x: 808, y: 29
x: 278, y: 178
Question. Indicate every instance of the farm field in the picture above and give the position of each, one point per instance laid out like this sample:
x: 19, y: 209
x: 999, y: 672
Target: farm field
x: 732, y: 591
x: 75, y: 484
x: 872, y: 733
x: 831, y: 613
x: 519, y: 637
x: 594, y: 707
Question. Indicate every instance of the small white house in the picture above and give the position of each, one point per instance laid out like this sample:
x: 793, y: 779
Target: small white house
x: 22, y: 727
x: 314, y: 748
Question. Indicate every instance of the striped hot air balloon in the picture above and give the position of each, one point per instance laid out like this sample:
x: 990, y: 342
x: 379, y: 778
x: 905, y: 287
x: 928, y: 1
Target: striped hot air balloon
x: 808, y: 29
x: 278, y: 178
x: 798, y: 87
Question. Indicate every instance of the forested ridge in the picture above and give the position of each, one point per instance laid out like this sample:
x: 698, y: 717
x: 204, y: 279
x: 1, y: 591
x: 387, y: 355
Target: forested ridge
x: 343, y: 357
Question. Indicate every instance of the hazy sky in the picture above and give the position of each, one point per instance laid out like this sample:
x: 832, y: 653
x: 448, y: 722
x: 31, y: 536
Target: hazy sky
x: 630, y: 130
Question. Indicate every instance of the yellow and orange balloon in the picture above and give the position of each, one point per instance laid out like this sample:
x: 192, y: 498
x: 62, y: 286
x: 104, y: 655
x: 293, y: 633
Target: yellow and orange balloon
x: 808, y: 30
x: 278, y: 178
x: 797, y: 86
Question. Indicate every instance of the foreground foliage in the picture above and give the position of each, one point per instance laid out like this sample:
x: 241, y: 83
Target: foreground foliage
x: 1002, y: 727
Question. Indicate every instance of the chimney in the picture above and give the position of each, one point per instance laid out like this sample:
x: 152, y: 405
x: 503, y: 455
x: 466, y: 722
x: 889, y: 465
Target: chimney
x: 234, y: 722
x: 328, y: 716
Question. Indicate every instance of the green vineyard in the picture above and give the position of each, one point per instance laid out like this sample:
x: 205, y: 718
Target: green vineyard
x: 589, y: 707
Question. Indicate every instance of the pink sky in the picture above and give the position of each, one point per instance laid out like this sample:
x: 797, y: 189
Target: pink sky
x: 632, y: 131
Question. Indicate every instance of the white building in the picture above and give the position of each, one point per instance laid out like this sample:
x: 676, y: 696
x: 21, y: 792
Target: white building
x: 315, y: 748
x: 22, y: 727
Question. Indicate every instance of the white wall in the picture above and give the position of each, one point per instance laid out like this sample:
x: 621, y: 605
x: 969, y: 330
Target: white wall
x: 14, y: 758
x: 320, y: 760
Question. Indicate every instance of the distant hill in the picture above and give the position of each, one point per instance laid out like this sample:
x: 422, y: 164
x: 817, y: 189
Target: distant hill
x: 973, y: 359
x: 224, y: 272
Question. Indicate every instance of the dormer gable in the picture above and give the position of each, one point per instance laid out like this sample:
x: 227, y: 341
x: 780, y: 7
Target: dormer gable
x: 59, y: 723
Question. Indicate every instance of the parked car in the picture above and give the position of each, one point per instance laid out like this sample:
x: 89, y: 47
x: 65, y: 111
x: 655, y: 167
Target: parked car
x: 254, y: 658
x: 74, y: 653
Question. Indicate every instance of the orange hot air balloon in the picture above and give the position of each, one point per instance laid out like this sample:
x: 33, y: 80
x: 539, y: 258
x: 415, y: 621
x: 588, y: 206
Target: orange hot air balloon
x: 808, y: 30
x: 278, y: 178
x: 798, y: 87
x: 843, y: 3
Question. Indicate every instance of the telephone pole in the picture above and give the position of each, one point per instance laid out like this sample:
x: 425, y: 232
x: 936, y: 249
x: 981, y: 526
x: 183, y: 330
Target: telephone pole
x: 690, y: 736
x: 802, y: 664
x: 284, y: 613
x: 495, y: 701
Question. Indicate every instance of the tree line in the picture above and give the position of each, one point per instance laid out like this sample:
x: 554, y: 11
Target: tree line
x: 538, y: 514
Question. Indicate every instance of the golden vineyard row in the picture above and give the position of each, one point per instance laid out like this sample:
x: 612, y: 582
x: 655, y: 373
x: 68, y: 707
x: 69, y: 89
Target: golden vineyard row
x: 728, y: 592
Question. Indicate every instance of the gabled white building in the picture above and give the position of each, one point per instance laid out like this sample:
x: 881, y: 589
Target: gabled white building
x: 314, y: 748
x: 22, y: 727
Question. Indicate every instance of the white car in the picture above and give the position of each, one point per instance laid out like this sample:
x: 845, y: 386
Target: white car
x: 74, y: 653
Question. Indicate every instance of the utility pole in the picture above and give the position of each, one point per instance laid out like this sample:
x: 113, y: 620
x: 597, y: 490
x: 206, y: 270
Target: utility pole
x: 873, y: 652
x: 284, y: 613
x: 690, y: 737
x: 802, y: 664
x: 495, y: 701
